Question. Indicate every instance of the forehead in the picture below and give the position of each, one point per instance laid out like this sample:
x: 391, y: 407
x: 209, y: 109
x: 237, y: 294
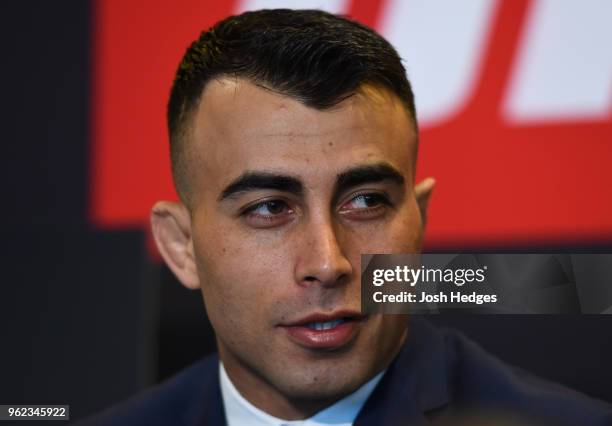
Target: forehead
x: 239, y: 126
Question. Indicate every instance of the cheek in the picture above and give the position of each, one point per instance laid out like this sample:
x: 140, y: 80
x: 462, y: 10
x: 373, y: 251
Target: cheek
x: 402, y: 233
x: 407, y: 230
x: 239, y: 275
x: 392, y: 329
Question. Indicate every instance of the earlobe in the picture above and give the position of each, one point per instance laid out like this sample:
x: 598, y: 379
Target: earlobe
x: 423, y: 191
x: 171, y: 226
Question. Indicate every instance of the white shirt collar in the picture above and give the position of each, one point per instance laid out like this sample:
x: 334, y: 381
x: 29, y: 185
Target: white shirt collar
x: 239, y: 411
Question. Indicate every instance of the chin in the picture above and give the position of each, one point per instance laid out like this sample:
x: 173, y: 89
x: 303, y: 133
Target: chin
x: 322, y: 382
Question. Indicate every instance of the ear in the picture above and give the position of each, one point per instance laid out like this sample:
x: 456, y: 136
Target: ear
x: 171, y: 226
x: 423, y: 191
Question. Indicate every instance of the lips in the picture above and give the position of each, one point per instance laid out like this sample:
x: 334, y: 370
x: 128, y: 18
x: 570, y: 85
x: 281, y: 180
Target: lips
x: 323, y: 331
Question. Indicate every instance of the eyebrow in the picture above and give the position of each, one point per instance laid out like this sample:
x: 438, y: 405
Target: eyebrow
x: 251, y: 181
x: 378, y: 172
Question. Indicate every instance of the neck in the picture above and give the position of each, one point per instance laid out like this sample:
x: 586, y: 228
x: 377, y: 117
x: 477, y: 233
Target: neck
x: 262, y: 394
x: 267, y: 398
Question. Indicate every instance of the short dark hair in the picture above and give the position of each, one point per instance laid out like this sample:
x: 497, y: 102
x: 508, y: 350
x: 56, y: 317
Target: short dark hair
x: 313, y: 56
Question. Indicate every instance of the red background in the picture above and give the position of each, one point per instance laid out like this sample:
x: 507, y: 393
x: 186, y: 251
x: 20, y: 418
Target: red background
x: 499, y: 184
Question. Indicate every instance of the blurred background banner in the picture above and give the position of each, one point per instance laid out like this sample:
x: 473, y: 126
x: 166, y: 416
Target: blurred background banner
x: 514, y: 100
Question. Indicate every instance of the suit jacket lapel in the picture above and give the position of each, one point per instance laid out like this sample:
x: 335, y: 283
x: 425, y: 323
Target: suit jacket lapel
x: 415, y: 383
x: 209, y: 410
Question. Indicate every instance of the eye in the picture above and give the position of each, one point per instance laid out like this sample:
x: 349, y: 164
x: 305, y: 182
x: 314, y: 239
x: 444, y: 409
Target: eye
x: 267, y: 213
x: 269, y: 208
x: 366, y: 206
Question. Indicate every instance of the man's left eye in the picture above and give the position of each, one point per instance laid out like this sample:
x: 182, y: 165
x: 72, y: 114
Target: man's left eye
x: 365, y: 203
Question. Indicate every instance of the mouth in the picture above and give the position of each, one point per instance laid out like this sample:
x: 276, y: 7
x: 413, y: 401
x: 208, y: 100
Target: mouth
x: 321, y: 331
x: 326, y: 325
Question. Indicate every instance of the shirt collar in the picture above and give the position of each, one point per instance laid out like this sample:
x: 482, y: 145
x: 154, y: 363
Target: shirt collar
x: 239, y: 411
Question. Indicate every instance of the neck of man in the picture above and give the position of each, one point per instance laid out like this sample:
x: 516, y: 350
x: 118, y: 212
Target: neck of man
x: 266, y: 397
x: 263, y: 395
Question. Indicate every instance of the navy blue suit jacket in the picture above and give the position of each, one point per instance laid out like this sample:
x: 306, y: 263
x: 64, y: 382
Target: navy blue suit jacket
x: 439, y: 374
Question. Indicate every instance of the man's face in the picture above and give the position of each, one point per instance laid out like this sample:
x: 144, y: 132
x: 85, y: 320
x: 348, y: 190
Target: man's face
x: 285, y: 198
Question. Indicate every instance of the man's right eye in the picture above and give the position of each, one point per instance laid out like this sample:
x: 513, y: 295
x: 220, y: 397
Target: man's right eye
x: 266, y: 214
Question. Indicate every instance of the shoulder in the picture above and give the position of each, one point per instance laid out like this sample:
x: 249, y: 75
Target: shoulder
x: 174, y: 401
x: 478, y: 379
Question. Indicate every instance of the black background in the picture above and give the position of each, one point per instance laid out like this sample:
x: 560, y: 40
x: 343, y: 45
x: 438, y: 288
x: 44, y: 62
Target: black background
x: 86, y: 318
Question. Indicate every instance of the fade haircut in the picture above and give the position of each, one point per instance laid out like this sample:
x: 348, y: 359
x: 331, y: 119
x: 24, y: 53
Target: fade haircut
x: 312, y: 56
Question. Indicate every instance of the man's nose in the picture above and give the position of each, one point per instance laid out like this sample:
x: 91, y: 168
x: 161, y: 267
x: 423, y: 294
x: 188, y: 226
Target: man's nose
x: 321, y: 259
